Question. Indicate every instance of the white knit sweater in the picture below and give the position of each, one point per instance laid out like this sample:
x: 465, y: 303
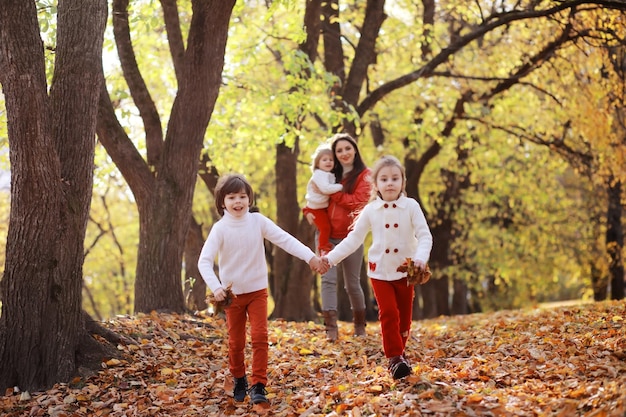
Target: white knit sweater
x: 237, y: 243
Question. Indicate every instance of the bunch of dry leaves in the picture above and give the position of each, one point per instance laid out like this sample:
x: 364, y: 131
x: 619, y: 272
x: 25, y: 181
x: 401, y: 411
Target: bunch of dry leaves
x: 566, y: 361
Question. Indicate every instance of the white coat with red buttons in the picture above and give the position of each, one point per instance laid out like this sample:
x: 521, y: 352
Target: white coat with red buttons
x: 399, y: 231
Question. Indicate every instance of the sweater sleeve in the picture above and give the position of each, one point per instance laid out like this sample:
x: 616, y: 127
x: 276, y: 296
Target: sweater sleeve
x: 285, y: 241
x: 355, y: 238
x: 206, y: 261
x: 323, y: 181
x: 422, y: 233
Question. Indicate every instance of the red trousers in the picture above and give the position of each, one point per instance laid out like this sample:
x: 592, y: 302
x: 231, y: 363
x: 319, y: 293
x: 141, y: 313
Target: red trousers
x: 322, y: 222
x: 251, y: 306
x: 395, y: 313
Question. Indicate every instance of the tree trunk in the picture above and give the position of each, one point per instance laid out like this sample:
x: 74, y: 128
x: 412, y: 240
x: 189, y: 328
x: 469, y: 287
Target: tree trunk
x: 163, y: 185
x: 52, y: 138
x: 599, y: 282
x: 295, y: 301
x: 165, y: 221
x: 195, y: 287
x: 459, y: 297
x: 291, y: 277
x: 615, y: 239
x: 291, y: 280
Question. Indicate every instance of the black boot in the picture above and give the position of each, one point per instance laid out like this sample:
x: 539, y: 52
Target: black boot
x: 258, y: 393
x: 399, y: 367
x: 241, y: 388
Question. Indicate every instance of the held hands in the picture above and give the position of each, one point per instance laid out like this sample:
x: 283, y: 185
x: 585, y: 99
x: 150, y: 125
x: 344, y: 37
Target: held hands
x: 319, y: 265
x: 310, y: 217
x: 326, y: 262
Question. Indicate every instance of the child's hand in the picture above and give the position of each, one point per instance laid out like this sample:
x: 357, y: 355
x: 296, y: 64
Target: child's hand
x: 417, y: 272
x: 326, y: 262
x: 219, y: 294
x: 221, y: 298
x: 310, y: 217
x: 419, y: 264
x: 315, y: 188
x: 318, y: 265
x: 325, y: 265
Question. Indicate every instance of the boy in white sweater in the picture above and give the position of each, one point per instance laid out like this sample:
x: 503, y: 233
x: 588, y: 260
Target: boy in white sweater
x: 237, y: 239
x: 317, y: 202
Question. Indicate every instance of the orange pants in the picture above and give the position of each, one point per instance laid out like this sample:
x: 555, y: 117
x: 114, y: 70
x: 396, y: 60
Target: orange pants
x: 251, y: 306
x: 395, y: 312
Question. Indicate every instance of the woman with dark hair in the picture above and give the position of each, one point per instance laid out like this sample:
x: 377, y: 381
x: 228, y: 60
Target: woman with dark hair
x: 353, y: 174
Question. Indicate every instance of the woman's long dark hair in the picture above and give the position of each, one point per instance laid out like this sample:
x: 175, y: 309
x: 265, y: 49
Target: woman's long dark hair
x: 357, y: 168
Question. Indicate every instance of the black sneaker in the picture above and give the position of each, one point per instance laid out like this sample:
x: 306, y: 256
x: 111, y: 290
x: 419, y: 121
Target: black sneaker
x: 258, y: 393
x: 241, y: 389
x: 399, y: 367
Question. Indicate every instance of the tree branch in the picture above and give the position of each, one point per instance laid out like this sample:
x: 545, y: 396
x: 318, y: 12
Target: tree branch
x: 137, y: 86
x: 491, y: 23
x: 174, y: 35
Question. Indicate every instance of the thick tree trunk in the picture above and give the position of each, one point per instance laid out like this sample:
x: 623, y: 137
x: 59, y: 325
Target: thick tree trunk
x: 295, y: 301
x: 460, y: 304
x: 429, y: 300
x: 290, y: 282
x: 52, y: 139
x: 291, y: 297
x: 424, y: 305
x: 599, y: 282
x: 615, y: 239
x: 195, y: 287
x: 164, y: 221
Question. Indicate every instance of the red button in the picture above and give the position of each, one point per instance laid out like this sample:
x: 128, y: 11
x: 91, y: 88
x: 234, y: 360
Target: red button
x: 395, y: 225
x: 387, y: 226
x: 386, y: 250
x: 395, y: 250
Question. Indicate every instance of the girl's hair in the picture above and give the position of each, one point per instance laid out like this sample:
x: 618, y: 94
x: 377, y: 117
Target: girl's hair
x: 384, y: 162
x: 357, y: 168
x: 319, y: 152
x: 230, y: 184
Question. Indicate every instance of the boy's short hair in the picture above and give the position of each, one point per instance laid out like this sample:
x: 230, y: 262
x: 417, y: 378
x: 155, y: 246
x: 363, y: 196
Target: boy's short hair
x: 229, y: 184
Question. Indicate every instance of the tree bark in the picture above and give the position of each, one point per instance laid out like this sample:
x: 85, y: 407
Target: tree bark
x: 288, y: 291
x: 163, y: 185
x: 615, y: 239
x: 52, y: 138
x: 195, y: 287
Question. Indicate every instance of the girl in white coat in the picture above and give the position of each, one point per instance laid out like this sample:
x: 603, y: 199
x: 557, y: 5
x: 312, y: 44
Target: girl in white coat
x: 399, y: 231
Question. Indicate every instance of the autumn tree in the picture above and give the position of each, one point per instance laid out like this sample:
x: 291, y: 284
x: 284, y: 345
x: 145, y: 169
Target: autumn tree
x: 354, y: 50
x: 51, y: 131
x: 479, y: 89
x: 163, y: 182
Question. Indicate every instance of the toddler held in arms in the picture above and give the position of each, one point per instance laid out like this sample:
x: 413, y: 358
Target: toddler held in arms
x: 320, y: 186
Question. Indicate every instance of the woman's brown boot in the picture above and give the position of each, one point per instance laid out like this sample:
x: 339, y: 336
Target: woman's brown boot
x: 330, y: 322
x: 359, y: 322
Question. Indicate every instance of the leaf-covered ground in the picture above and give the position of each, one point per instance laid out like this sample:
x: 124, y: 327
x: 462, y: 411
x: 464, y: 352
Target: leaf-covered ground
x: 566, y: 361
